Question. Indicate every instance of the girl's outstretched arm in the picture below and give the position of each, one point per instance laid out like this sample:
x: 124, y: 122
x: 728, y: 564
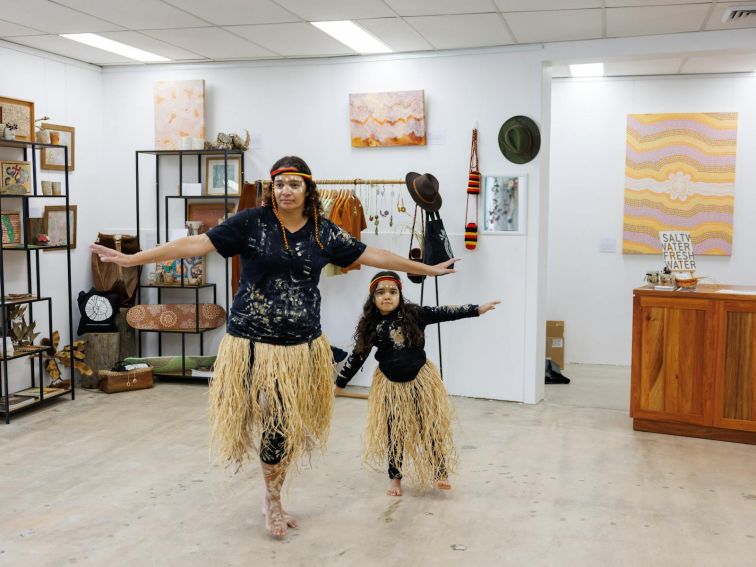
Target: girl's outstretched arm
x: 180, y: 248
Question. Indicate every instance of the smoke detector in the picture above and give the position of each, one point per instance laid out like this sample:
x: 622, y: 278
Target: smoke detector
x: 738, y: 14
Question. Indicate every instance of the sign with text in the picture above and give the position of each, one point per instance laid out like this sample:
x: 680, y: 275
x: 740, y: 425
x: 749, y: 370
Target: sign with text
x: 677, y: 248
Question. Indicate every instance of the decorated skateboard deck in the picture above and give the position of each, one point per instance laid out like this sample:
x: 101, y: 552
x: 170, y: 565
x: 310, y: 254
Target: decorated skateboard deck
x: 175, y: 317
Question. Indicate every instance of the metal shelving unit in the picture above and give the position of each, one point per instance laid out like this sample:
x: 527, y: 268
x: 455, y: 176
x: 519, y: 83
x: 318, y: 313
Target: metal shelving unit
x: 159, y: 156
x: 34, y: 353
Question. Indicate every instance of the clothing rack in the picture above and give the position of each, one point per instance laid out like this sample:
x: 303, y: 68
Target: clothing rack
x: 359, y: 181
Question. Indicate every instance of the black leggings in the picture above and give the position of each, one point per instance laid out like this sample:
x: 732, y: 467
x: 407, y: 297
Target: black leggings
x: 395, y: 464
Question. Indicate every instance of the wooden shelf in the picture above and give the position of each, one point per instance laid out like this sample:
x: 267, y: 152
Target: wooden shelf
x: 32, y: 401
x: 30, y: 352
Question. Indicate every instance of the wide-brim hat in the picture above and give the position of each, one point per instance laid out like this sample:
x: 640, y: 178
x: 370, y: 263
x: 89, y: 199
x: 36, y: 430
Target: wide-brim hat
x: 519, y: 139
x: 424, y: 191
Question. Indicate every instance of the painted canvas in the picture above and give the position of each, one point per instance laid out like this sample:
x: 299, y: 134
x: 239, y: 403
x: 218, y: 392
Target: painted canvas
x: 387, y: 119
x: 179, y: 111
x: 680, y: 175
x: 54, y: 158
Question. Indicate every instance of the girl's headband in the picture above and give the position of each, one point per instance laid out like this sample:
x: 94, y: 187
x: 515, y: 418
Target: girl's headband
x: 378, y: 279
x: 289, y: 171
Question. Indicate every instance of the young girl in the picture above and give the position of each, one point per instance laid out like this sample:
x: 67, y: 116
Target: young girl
x: 409, y: 412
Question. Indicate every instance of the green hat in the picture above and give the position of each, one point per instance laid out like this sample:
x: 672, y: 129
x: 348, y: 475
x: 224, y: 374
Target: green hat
x: 519, y: 139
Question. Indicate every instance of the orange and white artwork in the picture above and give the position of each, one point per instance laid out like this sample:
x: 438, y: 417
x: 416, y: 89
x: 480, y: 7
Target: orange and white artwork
x: 387, y: 119
x: 179, y: 112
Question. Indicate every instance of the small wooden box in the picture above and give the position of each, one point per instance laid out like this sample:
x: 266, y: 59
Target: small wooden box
x: 112, y: 382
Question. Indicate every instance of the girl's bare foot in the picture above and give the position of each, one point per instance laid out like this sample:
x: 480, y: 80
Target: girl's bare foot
x: 443, y: 484
x: 395, y: 487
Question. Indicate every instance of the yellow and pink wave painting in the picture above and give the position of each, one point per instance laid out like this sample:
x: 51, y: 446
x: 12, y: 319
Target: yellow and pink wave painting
x: 387, y: 119
x: 680, y: 175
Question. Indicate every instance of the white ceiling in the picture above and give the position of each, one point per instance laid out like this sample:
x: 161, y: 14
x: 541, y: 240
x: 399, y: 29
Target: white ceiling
x: 223, y: 30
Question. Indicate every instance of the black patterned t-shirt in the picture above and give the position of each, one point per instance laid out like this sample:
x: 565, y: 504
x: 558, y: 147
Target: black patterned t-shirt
x: 278, y: 300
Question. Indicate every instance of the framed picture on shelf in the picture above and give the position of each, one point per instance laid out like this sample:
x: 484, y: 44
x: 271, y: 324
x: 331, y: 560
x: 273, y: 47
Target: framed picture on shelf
x: 16, y: 179
x: 215, y: 175
x: 21, y: 113
x: 209, y: 214
x: 11, y: 223
x: 504, y: 204
x: 54, y: 224
x: 53, y: 158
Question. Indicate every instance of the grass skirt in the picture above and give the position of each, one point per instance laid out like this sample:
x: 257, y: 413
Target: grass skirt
x: 421, y: 413
x: 288, y: 390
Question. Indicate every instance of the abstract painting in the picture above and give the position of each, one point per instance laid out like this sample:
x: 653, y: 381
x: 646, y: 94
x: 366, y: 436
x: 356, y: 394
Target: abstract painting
x: 179, y: 112
x: 387, y: 119
x: 21, y: 113
x: 680, y: 175
x: 54, y: 158
x: 504, y: 204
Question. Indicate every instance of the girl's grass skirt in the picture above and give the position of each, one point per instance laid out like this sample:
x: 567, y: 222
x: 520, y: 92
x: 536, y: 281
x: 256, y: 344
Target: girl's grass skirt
x: 420, y: 413
x: 288, y: 390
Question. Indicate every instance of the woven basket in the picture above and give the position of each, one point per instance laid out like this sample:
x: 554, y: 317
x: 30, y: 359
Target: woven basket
x: 139, y: 379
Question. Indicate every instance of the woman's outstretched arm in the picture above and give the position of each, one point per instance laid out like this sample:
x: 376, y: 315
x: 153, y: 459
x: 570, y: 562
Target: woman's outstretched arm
x: 181, y: 248
x: 380, y: 258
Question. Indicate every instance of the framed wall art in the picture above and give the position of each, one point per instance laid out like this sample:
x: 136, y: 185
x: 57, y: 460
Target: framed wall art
x: 54, y: 224
x: 209, y: 214
x: 21, y: 113
x: 11, y: 226
x: 504, y: 204
x: 53, y: 158
x: 16, y: 178
x: 215, y: 175
x: 179, y: 112
x: 387, y: 119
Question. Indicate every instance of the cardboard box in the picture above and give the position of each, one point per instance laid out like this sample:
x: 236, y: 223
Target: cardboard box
x: 555, y: 341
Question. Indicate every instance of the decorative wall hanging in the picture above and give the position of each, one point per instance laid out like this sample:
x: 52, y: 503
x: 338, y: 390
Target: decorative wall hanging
x: 16, y: 178
x: 20, y: 113
x: 53, y: 158
x: 504, y: 204
x: 473, y: 188
x: 680, y: 175
x: 387, y: 119
x: 179, y: 112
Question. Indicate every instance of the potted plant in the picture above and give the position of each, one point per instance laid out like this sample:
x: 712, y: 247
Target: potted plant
x: 10, y: 131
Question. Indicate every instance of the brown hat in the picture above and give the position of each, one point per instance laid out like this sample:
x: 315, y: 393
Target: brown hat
x: 424, y: 191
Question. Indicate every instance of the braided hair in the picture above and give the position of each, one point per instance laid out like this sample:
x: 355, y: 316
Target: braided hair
x: 293, y: 165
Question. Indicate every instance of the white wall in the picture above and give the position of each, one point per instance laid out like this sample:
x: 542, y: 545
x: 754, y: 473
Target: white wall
x: 302, y: 108
x: 592, y: 291
x: 70, y: 94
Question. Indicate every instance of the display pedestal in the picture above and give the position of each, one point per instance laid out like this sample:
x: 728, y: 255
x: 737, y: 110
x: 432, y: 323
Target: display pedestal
x: 127, y: 344
x: 102, y: 354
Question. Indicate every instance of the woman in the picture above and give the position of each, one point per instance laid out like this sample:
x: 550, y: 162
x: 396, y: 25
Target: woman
x: 272, y: 377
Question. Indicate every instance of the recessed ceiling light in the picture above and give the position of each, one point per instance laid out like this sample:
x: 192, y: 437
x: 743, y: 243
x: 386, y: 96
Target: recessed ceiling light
x: 117, y: 47
x: 353, y: 36
x: 587, y: 70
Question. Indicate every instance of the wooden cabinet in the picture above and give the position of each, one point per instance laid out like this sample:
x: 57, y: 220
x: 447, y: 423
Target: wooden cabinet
x: 694, y: 362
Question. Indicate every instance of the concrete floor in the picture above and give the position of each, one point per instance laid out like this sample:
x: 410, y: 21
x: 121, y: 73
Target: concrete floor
x: 125, y: 480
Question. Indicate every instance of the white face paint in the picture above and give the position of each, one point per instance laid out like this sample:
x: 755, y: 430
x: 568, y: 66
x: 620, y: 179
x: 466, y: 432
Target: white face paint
x: 386, y: 296
x: 289, y: 191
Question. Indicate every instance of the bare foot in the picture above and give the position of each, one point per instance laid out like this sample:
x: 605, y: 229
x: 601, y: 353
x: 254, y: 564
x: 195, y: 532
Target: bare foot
x: 291, y: 521
x: 395, y: 487
x: 443, y: 484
